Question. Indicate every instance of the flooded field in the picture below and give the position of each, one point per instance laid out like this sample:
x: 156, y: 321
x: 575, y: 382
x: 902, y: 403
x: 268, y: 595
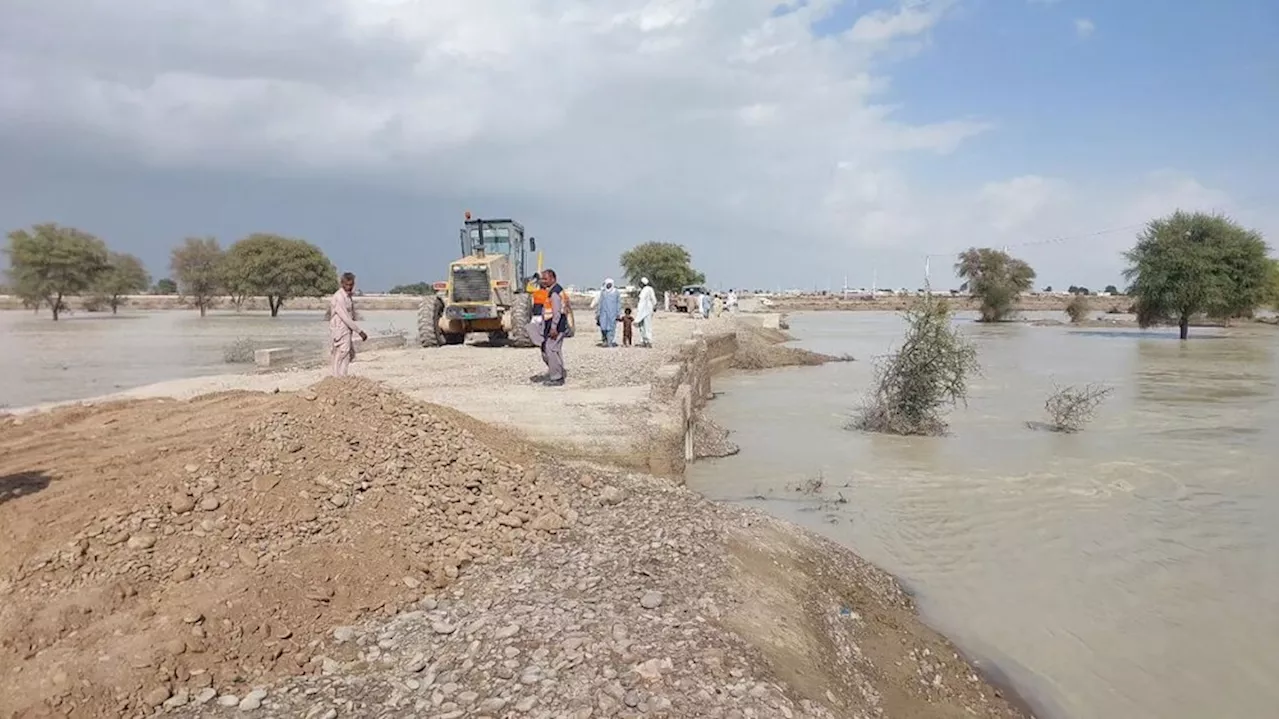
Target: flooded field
x: 1126, y: 571
x: 88, y: 354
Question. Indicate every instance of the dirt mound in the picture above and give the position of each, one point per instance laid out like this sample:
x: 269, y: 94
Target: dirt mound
x: 154, y: 547
x: 760, y: 348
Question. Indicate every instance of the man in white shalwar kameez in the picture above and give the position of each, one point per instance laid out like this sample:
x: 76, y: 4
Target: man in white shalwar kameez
x: 645, y: 307
x: 342, y: 325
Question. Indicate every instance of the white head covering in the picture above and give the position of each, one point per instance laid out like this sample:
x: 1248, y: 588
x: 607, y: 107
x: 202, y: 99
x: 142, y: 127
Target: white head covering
x: 608, y: 283
x: 644, y: 280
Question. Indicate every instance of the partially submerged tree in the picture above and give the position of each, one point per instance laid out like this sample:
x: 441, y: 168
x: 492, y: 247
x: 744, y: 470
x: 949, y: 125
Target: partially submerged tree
x: 197, y: 265
x: 667, y: 265
x: 1078, y: 308
x: 1070, y: 408
x: 928, y: 374
x: 1188, y: 264
x: 49, y: 262
x: 125, y: 275
x: 279, y: 268
x: 996, y: 279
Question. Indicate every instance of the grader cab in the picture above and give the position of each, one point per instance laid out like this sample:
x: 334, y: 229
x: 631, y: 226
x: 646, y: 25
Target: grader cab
x: 486, y: 288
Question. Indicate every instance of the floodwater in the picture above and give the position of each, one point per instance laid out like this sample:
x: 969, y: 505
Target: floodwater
x: 89, y: 354
x: 1126, y: 571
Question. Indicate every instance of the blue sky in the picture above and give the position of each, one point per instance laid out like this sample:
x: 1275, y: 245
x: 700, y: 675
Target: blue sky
x: 759, y: 139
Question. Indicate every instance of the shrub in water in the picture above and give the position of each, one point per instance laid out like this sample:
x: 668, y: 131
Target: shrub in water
x: 1070, y: 408
x: 929, y: 373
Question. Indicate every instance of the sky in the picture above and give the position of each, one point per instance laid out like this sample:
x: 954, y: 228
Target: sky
x: 802, y: 144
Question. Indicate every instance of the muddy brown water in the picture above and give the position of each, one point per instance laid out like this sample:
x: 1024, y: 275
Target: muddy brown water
x: 1128, y: 571
x: 85, y: 354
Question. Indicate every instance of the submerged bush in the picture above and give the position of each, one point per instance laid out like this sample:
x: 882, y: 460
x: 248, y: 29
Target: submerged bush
x: 1078, y: 308
x: 1070, y: 408
x: 239, y: 352
x: 929, y: 373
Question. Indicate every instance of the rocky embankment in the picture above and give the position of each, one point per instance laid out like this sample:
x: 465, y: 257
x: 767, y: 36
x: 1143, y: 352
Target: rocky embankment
x: 345, y: 551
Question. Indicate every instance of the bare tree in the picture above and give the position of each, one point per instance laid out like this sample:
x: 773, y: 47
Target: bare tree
x: 1070, y: 408
x: 197, y: 265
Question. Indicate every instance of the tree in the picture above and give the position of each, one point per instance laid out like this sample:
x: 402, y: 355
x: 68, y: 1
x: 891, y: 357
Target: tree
x: 1273, y: 285
x: 50, y: 262
x: 667, y: 265
x: 197, y: 265
x: 125, y: 275
x: 165, y: 286
x: 1187, y: 264
x: 995, y: 278
x: 928, y: 373
x: 1111, y: 290
x: 279, y: 268
x: 417, y: 288
x: 1048, y: 288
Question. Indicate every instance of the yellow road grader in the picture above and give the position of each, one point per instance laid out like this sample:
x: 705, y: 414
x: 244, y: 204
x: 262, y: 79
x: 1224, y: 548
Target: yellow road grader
x: 487, y: 288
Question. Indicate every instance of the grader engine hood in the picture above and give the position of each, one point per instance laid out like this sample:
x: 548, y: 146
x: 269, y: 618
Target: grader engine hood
x: 480, y: 280
x: 470, y: 283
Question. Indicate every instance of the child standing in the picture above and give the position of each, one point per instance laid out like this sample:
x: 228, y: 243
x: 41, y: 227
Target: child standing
x: 626, y: 319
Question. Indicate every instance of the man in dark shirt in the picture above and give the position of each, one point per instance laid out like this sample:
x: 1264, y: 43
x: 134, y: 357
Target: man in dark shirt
x: 556, y: 326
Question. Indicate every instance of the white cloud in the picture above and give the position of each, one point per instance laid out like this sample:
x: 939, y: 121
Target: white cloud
x: 442, y: 91
x: 1084, y: 27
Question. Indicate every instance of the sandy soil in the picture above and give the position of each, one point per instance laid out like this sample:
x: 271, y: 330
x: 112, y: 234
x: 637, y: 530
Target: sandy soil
x: 345, y: 550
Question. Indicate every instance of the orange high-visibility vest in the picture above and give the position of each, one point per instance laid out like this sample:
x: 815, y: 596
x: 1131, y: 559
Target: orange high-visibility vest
x: 540, y: 300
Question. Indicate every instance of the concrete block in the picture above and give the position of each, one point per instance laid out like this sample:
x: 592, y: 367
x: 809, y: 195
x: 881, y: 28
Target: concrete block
x: 272, y: 356
x: 665, y: 380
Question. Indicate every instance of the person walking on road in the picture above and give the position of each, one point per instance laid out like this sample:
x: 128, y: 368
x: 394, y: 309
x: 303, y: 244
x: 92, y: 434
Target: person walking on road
x: 537, y: 326
x: 644, y: 312
x: 555, y: 327
x: 610, y: 308
x: 342, y: 325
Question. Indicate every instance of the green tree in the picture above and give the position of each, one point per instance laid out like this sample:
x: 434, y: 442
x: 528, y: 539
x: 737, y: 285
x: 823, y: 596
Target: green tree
x: 417, y: 288
x: 279, y: 268
x: 996, y: 279
x: 1273, y: 285
x: 165, y: 286
x: 125, y: 275
x: 197, y: 266
x: 1111, y: 290
x: 667, y: 265
x: 49, y: 262
x: 1187, y: 264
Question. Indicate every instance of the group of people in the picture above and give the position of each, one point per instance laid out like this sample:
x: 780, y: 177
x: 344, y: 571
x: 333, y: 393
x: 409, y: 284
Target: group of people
x: 548, y: 327
x: 610, y: 313
x: 707, y: 304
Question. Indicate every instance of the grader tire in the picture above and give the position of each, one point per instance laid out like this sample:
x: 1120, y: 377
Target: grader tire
x: 521, y: 315
x: 429, y: 322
